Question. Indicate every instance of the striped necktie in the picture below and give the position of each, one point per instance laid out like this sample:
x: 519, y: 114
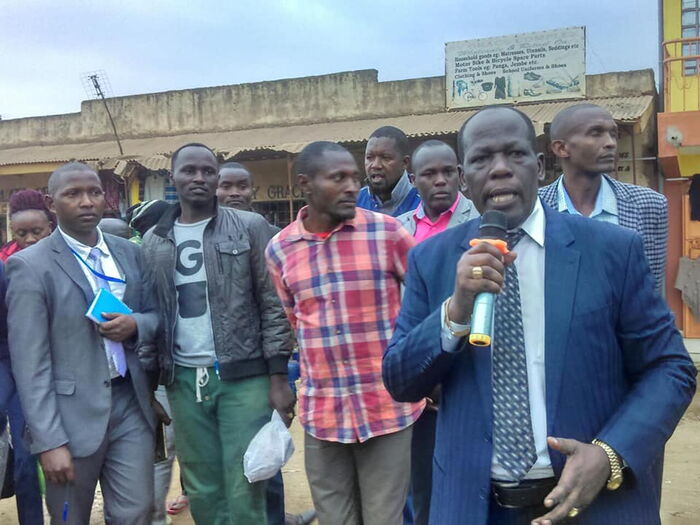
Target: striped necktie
x: 115, y: 350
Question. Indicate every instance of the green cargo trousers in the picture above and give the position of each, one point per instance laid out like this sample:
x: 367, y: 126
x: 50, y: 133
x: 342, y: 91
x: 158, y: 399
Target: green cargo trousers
x: 211, y: 437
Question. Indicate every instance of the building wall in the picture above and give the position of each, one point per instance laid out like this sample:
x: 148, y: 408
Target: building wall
x: 678, y: 139
x: 335, y: 97
x: 340, y: 96
x: 682, y: 92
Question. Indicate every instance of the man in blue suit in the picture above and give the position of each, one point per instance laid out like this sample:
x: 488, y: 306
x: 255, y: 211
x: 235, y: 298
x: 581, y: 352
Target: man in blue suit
x: 564, y: 418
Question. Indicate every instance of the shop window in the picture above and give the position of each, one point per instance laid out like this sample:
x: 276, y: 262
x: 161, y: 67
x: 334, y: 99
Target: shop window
x: 277, y: 212
x: 156, y: 185
x: 690, y: 28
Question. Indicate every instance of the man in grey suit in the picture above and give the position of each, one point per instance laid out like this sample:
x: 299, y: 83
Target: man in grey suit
x: 438, y: 178
x: 86, y: 398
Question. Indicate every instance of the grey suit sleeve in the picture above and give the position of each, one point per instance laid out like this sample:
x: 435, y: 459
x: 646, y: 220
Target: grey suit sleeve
x: 29, y: 339
x: 276, y: 331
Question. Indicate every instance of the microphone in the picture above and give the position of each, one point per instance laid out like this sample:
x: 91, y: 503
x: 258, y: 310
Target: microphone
x: 492, y: 230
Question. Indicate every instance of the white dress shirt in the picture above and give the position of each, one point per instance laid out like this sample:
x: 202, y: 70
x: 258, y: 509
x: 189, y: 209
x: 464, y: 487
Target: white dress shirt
x: 109, y: 268
x: 530, y: 265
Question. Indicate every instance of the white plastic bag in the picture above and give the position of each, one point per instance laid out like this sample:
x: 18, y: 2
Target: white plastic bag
x: 268, y: 451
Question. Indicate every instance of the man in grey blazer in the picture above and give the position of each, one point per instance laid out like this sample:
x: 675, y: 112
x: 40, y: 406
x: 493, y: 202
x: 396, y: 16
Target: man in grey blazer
x: 86, y: 398
x: 438, y: 177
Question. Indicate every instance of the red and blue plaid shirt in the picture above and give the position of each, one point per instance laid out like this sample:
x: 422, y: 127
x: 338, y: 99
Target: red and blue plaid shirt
x: 342, y: 296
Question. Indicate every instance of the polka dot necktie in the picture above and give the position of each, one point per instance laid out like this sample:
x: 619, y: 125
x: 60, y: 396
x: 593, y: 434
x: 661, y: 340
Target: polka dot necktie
x: 514, y: 443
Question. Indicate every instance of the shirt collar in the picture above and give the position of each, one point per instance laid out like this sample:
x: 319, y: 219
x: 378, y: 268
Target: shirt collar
x: 535, y: 223
x: 83, y: 249
x: 605, y: 202
x: 403, y: 186
x: 297, y: 231
x: 419, y: 213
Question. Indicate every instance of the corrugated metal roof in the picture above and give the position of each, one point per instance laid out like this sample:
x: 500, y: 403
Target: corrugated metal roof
x: 153, y: 152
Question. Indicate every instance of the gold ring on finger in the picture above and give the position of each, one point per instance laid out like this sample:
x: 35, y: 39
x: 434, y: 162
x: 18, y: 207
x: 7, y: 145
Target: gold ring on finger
x: 573, y: 512
x: 478, y: 272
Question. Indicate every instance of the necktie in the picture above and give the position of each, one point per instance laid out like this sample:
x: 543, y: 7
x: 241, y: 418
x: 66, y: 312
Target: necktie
x: 513, y: 439
x: 115, y: 351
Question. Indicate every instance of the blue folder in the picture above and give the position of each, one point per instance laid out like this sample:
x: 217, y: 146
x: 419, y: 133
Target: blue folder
x: 105, y: 302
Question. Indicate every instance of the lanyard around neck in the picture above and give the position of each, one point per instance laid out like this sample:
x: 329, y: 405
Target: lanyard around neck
x: 95, y: 272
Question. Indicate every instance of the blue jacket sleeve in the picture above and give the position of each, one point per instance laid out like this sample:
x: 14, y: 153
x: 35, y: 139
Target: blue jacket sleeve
x: 414, y: 362
x: 661, y: 373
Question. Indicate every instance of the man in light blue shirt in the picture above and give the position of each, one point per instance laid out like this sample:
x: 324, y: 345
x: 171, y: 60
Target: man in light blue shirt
x: 604, y: 209
x: 584, y: 138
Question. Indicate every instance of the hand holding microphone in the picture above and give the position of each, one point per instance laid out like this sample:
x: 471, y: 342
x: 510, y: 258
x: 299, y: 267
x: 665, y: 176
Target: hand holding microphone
x: 480, y: 270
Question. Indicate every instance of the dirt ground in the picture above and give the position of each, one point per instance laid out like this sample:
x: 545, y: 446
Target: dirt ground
x: 680, y: 503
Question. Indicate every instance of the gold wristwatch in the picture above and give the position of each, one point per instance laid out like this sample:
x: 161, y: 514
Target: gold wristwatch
x: 615, y: 479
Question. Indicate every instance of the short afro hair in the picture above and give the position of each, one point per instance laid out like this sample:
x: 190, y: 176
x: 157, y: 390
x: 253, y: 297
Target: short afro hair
x: 70, y: 167
x: 231, y: 165
x: 307, y: 162
x: 398, y: 136
x: 24, y: 200
x: 432, y: 143
x: 173, y: 159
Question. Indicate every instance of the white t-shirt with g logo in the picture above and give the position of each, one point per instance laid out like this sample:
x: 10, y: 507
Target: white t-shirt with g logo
x: 194, y: 338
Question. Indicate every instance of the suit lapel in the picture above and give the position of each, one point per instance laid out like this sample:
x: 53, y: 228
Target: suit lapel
x: 69, y: 264
x: 471, y: 230
x: 561, y: 275
x: 461, y: 214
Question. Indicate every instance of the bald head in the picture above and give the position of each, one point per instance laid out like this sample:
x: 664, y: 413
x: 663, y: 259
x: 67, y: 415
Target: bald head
x: 56, y: 179
x: 569, y: 119
x: 485, y: 113
x: 584, y: 138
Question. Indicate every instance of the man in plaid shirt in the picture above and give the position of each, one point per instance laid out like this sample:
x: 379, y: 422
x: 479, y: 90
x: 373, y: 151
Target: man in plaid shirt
x: 338, y: 270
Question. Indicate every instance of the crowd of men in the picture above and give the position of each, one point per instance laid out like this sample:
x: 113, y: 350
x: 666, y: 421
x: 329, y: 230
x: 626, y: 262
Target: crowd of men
x: 563, y: 419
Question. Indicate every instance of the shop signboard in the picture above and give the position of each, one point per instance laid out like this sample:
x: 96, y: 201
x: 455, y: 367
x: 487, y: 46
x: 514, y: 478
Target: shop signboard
x: 527, y: 67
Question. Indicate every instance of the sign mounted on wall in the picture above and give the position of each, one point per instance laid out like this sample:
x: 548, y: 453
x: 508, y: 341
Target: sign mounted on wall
x: 527, y: 67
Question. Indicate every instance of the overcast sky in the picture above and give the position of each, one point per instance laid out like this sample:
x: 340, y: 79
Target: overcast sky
x: 147, y: 46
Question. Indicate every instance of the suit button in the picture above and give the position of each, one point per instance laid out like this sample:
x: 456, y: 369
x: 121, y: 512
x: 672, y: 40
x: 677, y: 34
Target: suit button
x: 483, y: 493
x: 108, y: 384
